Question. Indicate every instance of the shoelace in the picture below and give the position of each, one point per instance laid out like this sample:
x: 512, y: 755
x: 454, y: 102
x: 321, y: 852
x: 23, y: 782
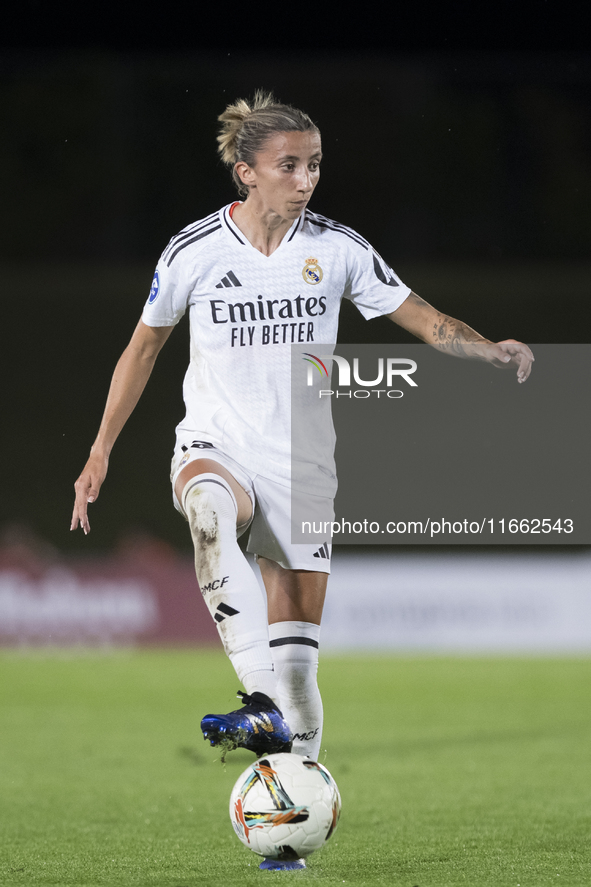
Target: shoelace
x: 263, y: 702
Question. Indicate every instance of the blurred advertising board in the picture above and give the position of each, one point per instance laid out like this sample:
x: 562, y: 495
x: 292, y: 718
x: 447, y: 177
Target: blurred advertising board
x: 145, y: 593
x: 460, y: 600
x: 379, y: 599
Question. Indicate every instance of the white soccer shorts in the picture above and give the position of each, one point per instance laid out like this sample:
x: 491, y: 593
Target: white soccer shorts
x: 270, y: 526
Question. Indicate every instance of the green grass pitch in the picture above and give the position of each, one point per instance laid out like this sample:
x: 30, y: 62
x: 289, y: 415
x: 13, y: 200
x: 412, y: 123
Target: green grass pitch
x: 453, y: 771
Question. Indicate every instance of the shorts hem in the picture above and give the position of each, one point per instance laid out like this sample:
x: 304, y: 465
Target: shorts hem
x: 214, y: 455
x: 321, y: 567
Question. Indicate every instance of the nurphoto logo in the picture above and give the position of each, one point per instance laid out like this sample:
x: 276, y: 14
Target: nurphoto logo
x: 389, y: 371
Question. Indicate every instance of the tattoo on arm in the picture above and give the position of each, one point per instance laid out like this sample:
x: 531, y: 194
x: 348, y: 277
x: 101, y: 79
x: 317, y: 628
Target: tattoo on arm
x: 449, y: 334
x: 439, y: 330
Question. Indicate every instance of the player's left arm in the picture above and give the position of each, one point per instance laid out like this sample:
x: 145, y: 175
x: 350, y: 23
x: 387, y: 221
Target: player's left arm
x: 455, y: 337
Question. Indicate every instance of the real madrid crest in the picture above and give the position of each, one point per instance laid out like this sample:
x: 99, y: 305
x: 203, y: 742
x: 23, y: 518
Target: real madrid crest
x: 312, y: 272
x: 184, y: 460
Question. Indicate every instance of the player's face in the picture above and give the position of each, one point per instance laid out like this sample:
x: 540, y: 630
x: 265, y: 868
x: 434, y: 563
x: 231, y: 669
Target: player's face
x: 286, y: 172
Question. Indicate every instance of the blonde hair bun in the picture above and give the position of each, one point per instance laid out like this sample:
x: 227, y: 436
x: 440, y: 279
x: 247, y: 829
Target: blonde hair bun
x: 248, y: 123
x: 233, y: 120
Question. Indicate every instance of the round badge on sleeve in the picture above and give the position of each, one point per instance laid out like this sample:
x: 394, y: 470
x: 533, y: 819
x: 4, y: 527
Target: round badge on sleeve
x: 154, y: 289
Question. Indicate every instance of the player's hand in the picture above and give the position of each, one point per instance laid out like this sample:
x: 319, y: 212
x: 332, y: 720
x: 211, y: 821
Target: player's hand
x: 510, y: 353
x: 87, y: 489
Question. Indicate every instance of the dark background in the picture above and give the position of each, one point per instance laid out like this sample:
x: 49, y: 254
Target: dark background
x: 459, y: 148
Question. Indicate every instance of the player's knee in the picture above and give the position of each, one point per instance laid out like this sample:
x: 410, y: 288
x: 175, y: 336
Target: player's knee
x: 210, y: 507
x: 202, y: 513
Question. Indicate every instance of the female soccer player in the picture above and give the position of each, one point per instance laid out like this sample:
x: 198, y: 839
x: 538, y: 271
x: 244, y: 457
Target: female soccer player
x: 256, y: 277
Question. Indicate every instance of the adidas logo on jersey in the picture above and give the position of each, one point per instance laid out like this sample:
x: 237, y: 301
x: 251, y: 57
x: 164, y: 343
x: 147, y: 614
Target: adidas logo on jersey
x: 385, y: 273
x: 229, y: 280
x: 322, y: 551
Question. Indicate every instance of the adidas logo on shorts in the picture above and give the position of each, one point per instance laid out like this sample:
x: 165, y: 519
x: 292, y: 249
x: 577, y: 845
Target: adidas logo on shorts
x: 229, y: 280
x: 322, y: 551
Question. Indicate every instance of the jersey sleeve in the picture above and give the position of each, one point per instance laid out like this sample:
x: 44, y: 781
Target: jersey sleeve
x: 169, y: 295
x: 372, y: 285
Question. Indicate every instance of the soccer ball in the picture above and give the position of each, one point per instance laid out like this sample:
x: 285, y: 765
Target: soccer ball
x: 285, y: 806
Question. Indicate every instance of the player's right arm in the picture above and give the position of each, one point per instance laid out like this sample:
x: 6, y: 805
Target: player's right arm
x: 129, y: 380
x: 455, y: 337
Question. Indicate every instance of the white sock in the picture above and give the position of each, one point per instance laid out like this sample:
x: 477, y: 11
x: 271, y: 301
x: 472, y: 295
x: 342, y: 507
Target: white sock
x: 294, y: 646
x: 228, y: 585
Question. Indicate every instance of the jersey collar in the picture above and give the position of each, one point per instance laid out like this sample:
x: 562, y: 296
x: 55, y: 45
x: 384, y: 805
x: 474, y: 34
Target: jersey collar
x: 234, y: 230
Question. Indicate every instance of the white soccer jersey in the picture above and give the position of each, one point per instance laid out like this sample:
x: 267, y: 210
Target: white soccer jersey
x: 246, y: 310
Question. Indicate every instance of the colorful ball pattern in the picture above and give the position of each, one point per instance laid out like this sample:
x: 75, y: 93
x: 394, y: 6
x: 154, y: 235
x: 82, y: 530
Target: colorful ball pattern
x: 285, y: 806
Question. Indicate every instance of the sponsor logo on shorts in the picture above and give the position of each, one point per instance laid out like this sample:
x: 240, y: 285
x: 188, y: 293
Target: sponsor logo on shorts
x: 199, y: 445
x: 185, y: 459
x: 154, y: 289
x: 323, y: 551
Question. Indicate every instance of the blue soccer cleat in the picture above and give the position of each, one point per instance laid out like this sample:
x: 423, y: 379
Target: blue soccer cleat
x: 258, y: 727
x: 282, y: 865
